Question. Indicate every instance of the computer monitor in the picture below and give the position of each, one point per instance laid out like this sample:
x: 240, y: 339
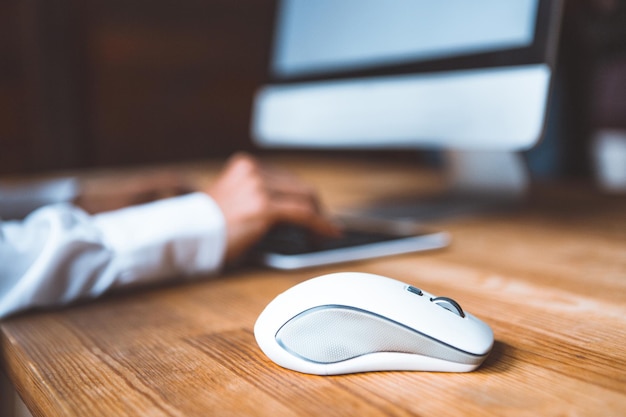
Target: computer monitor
x: 471, y: 78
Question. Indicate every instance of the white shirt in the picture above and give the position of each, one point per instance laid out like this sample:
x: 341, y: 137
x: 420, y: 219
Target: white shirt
x: 59, y: 253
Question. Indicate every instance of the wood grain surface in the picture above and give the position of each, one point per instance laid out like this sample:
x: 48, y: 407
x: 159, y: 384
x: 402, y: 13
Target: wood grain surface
x: 549, y: 278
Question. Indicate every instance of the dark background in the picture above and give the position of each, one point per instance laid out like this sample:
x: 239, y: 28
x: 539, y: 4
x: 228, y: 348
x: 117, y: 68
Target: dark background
x: 100, y: 83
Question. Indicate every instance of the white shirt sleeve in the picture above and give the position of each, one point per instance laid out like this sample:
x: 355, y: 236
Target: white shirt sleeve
x: 59, y: 253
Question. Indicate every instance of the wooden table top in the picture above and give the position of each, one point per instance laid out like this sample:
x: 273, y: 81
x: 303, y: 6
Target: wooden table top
x: 550, y: 279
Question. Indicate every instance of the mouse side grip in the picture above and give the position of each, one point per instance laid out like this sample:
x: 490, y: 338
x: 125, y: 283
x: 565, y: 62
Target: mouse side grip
x: 332, y: 334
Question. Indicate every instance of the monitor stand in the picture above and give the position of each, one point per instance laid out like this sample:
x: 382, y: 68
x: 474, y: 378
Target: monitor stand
x: 478, y: 182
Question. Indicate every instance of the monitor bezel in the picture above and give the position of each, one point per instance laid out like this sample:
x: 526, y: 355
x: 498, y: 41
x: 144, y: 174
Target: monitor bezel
x: 541, y: 50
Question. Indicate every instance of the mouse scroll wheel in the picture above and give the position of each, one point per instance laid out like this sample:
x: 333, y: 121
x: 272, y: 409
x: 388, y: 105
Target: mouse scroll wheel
x: 449, y: 304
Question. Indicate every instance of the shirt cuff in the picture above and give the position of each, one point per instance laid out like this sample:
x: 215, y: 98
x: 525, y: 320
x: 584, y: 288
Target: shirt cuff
x: 180, y: 235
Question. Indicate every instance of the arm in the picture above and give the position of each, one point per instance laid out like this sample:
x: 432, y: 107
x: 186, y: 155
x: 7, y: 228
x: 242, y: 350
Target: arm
x: 59, y: 253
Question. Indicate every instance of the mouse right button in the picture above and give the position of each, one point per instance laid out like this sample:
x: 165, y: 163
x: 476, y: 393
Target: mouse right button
x: 449, y: 304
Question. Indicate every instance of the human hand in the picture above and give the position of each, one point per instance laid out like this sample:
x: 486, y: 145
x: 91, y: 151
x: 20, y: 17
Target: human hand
x: 254, y: 197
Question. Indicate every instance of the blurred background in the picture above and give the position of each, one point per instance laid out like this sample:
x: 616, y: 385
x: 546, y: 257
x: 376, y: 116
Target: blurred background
x: 105, y: 83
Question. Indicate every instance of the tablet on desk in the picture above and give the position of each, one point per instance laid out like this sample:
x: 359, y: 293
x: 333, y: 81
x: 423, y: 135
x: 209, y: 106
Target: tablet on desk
x: 293, y: 247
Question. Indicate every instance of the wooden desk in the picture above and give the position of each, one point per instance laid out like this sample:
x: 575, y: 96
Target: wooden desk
x: 549, y: 279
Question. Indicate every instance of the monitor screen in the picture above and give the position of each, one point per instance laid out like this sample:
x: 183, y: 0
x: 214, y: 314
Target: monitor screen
x: 326, y: 36
x: 408, y: 74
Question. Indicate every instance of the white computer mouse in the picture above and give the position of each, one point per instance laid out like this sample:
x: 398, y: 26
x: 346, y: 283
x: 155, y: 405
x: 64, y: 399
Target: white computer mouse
x: 356, y: 322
